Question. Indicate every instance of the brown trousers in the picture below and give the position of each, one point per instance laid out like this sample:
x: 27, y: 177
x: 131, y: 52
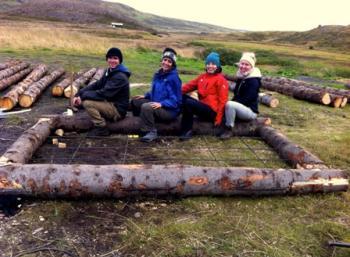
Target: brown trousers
x: 99, y: 111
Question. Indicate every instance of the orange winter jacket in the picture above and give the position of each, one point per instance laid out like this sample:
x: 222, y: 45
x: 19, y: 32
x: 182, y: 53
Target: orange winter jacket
x: 212, y: 91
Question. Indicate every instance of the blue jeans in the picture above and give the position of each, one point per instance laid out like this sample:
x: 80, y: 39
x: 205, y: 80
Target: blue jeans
x: 235, y: 110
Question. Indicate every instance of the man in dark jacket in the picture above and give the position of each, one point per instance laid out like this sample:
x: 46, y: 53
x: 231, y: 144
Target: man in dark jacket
x: 107, y: 98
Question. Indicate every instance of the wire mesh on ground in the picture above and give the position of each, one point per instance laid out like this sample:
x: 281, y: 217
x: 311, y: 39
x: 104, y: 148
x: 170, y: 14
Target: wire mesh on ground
x: 126, y: 149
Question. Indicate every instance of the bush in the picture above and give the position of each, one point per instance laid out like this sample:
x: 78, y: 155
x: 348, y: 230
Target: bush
x: 227, y: 56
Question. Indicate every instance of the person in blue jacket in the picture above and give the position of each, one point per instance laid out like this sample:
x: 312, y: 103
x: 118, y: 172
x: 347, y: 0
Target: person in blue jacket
x: 107, y: 98
x: 163, y: 101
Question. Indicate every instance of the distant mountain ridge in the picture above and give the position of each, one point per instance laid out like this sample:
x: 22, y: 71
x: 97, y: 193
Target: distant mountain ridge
x: 98, y: 11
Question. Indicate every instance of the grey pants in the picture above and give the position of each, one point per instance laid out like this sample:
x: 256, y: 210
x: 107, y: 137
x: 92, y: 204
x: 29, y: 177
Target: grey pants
x: 99, y: 110
x: 148, y: 115
x: 234, y: 109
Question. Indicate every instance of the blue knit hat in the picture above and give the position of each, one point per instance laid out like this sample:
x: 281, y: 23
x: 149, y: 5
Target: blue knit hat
x: 213, y: 57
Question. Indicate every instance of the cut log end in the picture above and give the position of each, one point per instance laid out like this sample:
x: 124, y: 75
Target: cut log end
x: 326, y: 99
x: 57, y: 91
x: 7, y: 103
x: 344, y: 102
x: 274, y: 103
x: 25, y: 101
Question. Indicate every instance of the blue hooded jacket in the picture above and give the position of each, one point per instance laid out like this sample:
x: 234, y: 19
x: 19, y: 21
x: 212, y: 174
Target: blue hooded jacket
x: 166, y: 90
x: 112, y: 87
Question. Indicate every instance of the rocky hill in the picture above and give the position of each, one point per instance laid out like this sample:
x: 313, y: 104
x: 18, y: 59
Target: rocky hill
x: 98, y: 11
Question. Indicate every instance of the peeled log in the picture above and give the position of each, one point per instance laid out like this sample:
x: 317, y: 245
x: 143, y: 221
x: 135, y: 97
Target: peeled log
x: 6, y: 82
x: 288, y: 151
x: 268, y: 100
x: 10, y: 99
x: 22, y: 150
x: 12, y: 70
x: 117, y: 181
x: 132, y: 125
x: 98, y: 75
x: 78, y: 83
x: 34, y: 91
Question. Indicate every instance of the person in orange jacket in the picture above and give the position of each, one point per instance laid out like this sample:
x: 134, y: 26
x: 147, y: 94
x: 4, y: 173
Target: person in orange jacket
x: 212, y: 90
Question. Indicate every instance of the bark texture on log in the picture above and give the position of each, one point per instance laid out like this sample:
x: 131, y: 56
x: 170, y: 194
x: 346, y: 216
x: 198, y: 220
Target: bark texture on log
x: 22, y: 150
x: 268, y: 100
x: 10, y: 99
x: 13, y: 69
x: 79, y: 181
x: 8, y: 64
x: 288, y: 151
x: 131, y: 125
x: 78, y: 83
x: 6, y: 82
x: 98, y: 75
x: 58, y: 89
x: 34, y: 91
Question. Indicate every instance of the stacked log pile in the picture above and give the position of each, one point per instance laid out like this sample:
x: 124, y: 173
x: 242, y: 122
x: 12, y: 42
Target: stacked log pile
x: 6, y: 82
x: 72, y: 89
x: 58, y: 89
x: 13, y: 69
x: 10, y: 99
x: 98, y: 75
x: 34, y: 91
x: 306, y: 91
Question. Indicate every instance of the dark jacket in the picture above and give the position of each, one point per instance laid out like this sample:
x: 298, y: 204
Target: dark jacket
x: 246, y: 91
x: 166, y: 90
x: 112, y: 87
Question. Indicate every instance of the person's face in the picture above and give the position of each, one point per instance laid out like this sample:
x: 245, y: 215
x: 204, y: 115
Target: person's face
x: 113, y: 62
x: 166, y: 64
x: 244, y: 67
x: 211, y: 67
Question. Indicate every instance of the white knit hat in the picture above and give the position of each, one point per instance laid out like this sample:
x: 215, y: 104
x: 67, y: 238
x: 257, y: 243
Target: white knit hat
x: 249, y: 57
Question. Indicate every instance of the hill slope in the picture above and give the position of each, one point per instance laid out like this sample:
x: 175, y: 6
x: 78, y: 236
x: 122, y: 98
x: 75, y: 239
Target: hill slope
x: 97, y: 11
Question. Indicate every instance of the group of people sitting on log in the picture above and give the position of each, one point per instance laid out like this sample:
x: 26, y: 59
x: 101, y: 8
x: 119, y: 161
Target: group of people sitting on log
x: 108, y: 98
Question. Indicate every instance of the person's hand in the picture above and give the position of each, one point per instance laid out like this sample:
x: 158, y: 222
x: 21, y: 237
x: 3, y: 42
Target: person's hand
x: 138, y: 97
x: 155, y: 105
x: 76, y: 101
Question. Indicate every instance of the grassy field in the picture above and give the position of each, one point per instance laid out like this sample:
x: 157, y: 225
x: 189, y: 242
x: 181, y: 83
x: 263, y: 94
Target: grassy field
x: 280, y: 226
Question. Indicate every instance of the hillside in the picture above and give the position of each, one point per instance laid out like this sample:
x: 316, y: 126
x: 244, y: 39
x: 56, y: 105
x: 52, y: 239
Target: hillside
x: 322, y: 36
x: 97, y: 11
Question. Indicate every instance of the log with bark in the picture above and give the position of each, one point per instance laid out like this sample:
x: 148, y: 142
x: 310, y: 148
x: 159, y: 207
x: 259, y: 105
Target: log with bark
x: 13, y: 69
x: 97, y: 76
x: 34, y: 91
x: 268, y: 100
x: 78, y: 83
x: 6, y: 82
x: 22, y: 150
x: 132, y: 125
x: 10, y: 99
x: 58, y: 89
x: 288, y: 151
x: 8, y: 64
x: 117, y: 181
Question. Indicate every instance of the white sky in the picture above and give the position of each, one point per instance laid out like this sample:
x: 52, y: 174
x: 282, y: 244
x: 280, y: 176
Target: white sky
x: 254, y: 15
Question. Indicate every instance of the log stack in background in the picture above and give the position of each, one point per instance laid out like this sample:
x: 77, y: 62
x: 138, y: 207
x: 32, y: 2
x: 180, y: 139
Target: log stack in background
x: 78, y: 83
x: 306, y: 91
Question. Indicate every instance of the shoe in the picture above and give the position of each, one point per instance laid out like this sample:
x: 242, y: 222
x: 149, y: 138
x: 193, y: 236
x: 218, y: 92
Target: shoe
x: 186, y: 136
x: 150, y: 136
x: 98, y: 132
x: 228, y: 133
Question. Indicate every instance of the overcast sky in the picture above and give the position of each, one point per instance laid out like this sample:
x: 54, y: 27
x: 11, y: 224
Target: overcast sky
x: 254, y: 15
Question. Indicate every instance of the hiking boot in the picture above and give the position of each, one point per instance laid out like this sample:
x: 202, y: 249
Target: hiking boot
x: 98, y: 132
x: 228, y: 133
x: 150, y: 136
x: 186, y: 136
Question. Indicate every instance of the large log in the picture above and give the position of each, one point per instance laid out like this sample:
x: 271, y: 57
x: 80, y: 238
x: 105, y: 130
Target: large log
x: 10, y: 99
x: 34, y: 91
x: 81, y: 181
x: 22, y: 150
x: 58, y: 89
x: 13, y: 69
x: 8, y: 64
x: 288, y: 151
x: 132, y: 125
x: 98, y: 75
x: 6, y: 82
x: 78, y: 83
x: 268, y: 100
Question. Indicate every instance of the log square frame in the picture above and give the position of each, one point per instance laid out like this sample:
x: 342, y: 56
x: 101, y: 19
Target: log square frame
x: 308, y: 175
